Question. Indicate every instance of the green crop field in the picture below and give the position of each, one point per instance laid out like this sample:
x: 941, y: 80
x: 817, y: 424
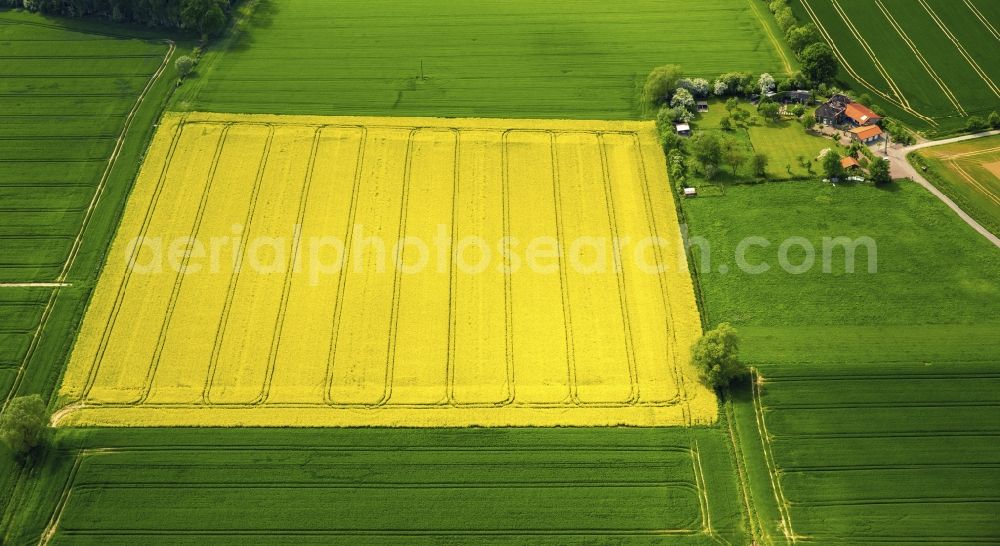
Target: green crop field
x: 560, y: 59
x: 510, y: 486
x: 932, y: 63
x: 67, y: 99
x: 876, y: 408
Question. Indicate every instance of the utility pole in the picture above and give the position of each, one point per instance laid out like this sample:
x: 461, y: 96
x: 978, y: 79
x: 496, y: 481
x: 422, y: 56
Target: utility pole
x: 422, y: 70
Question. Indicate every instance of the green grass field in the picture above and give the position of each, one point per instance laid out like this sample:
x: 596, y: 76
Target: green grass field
x: 931, y: 63
x: 969, y: 173
x: 878, y: 408
x: 563, y: 59
x: 783, y: 141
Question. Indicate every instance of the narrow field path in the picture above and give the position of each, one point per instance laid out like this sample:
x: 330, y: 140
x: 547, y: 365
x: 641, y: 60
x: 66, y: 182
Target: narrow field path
x: 35, y: 284
x: 901, y: 168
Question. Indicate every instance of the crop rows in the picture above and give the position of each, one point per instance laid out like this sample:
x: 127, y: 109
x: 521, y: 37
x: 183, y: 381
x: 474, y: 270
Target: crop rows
x: 550, y: 492
x: 857, y: 451
x: 931, y: 59
x: 65, y: 97
x: 564, y: 59
x: 440, y: 341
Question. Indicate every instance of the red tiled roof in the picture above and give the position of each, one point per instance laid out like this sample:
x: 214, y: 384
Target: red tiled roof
x: 866, y: 132
x: 860, y: 113
x: 849, y: 162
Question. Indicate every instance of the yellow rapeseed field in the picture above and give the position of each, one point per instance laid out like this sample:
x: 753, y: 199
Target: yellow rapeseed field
x: 351, y: 271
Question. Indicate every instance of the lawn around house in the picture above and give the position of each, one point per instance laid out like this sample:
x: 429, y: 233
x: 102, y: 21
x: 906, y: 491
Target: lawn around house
x: 784, y: 141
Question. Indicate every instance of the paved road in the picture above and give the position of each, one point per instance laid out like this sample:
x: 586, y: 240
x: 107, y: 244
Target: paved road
x: 901, y: 168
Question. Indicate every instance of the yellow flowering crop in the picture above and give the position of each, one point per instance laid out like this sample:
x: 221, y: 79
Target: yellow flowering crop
x: 350, y: 271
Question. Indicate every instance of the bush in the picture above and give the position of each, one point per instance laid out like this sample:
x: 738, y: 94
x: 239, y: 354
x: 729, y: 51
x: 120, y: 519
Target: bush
x: 878, y: 171
x: 975, y: 124
x: 23, y: 424
x: 184, y: 65
x: 994, y: 120
x: 716, y: 357
x: 768, y: 109
x: 785, y: 19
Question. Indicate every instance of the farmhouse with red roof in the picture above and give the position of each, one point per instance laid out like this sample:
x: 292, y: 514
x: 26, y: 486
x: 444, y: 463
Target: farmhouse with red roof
x: 840, y: 110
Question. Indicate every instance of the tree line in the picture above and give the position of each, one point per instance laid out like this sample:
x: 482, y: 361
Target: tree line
x: 206, y: 17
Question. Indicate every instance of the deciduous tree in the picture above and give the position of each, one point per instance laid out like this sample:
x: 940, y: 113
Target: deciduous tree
x: 660, y: 84
x: 819, y: 64
x: 24, y: 423
x: 716, y: 357
x: 878, y: 171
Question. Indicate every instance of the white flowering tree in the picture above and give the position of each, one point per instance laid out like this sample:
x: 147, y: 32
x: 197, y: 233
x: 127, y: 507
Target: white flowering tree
x: 720, y: 88
x: 766, y: 83
x: 682, y: 99
x: 699, y: 87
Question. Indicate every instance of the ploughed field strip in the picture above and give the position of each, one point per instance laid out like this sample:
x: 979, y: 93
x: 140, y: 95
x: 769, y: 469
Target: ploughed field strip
x: 933, y: 61
x: 317, y: 326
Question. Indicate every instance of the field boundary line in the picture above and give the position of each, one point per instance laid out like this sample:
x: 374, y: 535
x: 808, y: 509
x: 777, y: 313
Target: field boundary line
x: 112, y: 161
x: 854, y: 73
x: 508, y: 284
x: 962, y: 155
x: 50, y: 528
x: 871, y: 52
x: 702, y: 486
x: 293, y: 259
x: 179, y: 279
x: 757, y: 531
x: 449, y: 393
x: 123, y: 282
x: 772, y: 470
x: 35, y: 284
x: 664, y: 285
x: 563, y: 280
x: 975, y: 183
x: 404, y: 202
x: 234, y: 280
x: 979, y: 15
x: 921, y: 59
x: 961, y: 49
x: 634, y: 392
x: 755, y: 8
x: 338, y: 306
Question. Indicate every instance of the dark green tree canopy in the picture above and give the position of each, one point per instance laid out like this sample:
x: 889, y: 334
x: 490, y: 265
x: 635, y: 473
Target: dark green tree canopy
x: 716, y: 357
x: 819, y: 64
x: 24, y: 423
